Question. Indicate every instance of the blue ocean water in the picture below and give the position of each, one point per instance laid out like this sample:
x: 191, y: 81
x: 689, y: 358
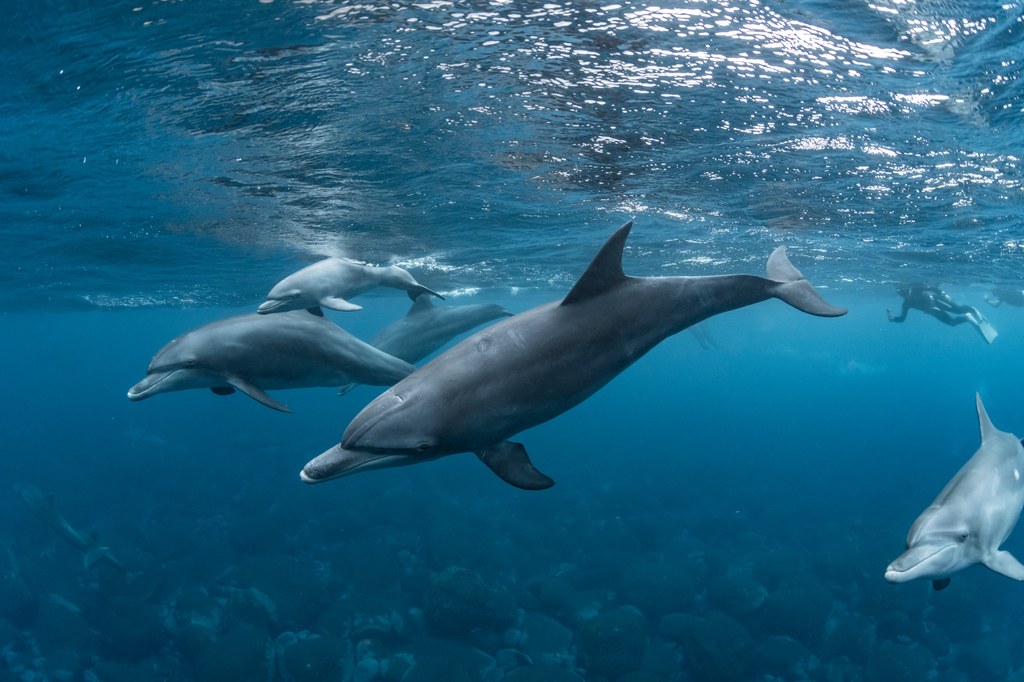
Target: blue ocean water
x: 724, y: 509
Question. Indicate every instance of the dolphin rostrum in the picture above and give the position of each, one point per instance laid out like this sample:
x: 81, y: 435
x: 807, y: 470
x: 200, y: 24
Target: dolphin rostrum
x: 526, y: 369
x: 332, y: 281
x: 971, y: 517
x: 86, y: 543
x: 255, y: 353
x: 426, y: 327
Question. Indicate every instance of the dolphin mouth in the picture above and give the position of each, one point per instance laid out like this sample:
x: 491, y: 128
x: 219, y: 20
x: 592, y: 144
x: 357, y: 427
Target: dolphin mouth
x: 911, y: 563
x: 148, y: 386
x: 338, y: 462
x: 271, y: 305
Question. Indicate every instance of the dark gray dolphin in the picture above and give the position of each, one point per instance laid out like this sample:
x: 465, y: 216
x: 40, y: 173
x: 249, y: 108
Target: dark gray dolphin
x: 529, y: 368
x: 256, y: 353
x: 332, y: 281
x: 426, y: 327
x: 971, y: 517
x: 87, y: 543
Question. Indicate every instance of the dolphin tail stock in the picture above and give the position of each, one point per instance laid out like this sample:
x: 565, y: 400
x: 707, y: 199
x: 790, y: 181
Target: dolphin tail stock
x: 511, y: 464
x: 417, y: 290
x: 788, y: 285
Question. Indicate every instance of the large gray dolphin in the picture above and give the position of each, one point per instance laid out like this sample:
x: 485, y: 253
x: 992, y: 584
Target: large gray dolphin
x: 86, y: 543
x: 971, y: 517
x: 426, y: 327
x: 255, y: 353
x: 332, y: 281
x: 529, y: 368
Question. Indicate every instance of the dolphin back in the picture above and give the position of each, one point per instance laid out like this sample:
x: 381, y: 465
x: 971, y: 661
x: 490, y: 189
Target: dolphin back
x: 787, y: 284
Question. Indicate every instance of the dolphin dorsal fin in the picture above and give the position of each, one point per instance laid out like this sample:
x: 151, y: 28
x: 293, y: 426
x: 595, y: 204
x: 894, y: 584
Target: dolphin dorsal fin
x: 604, y: 271
x: 987, y: 428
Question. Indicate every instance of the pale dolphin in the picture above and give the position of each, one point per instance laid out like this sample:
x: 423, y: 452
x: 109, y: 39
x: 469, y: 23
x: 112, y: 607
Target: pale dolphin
x: 86, y: 543
x: 255, y: 353
x: 426, y: 327
x: 529, y: 368
x: 971, y: 517
x: 332, y: 281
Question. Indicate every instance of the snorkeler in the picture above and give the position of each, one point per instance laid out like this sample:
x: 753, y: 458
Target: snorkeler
x: 938, y: 304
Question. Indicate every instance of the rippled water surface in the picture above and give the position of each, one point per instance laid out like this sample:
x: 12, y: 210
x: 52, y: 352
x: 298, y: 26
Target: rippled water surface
x: 186, y: 152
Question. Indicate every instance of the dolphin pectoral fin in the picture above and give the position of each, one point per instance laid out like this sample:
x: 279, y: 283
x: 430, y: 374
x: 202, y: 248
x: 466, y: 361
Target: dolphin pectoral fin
x: 1004, y: 563
x: 511, y: 463
x: 342, y: 390
x: 940, y: 584
x: 315, y: 310
x: 787, y: 284
x: 417, y: 290
x: 604, y: 272
x: 257, y: 394
x: 339, y: 304
x: 222, y: 390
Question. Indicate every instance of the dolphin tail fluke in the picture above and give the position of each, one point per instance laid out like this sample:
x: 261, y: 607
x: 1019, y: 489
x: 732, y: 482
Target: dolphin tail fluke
x: 511, y: 463
x: 97, y: 554
x: 1004, y: 563
x: 787, y: 284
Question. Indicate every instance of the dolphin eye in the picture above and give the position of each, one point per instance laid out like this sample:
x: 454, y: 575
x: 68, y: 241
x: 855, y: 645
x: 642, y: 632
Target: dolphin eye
x: 423, y: 447
x: 963, y: 537
x: 190, y: 363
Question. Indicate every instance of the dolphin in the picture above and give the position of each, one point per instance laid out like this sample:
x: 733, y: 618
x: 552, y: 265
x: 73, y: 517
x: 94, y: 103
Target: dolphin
x: 254, y: 353
x: 426, y: 327
x: 332, y: 281
x: 529, y: 368
x: 86, y: 543
x: 971, y: 517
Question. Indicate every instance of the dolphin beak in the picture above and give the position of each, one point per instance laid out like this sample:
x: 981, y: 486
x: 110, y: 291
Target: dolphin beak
x: 270, y: 305
x: 148, y: 386
x: 338, y: 462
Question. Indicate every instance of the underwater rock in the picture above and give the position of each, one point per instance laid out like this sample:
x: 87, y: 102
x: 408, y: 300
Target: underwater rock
x: 127, y: 633
x: 676, y: 627
x: 717, y: 648
x: 542, y: 673
x: 63, y: 664
x: 293, y: 587
x: 195, y: 607
x: 459, y: 601
x: 18, y: 604
x: 306, y: 657
x: 59, y: 624
x: 897, y: 624
x: 780, y: 655
x: 900, y: 662
x: 799, y: 609
x: 546, y: 640
x: 990, y: 657
x: 242, y: 653
x: 252, y: 607
x: 854, y: 636
x: 612, y: 643
x: 736, y: 595
x: 559, y: 597
x: 444, y: 659
x: 658, y: 588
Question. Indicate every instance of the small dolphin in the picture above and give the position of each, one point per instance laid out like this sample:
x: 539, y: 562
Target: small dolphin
x: 87, y: 543
x: 255, y: 353
x: 971, y: 517
x: 529, y: 368
x: 332, y: 281
x: 425, y: 328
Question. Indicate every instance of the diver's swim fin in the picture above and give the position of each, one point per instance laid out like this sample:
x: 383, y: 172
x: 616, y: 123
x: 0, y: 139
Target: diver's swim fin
x: 983, y: 325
